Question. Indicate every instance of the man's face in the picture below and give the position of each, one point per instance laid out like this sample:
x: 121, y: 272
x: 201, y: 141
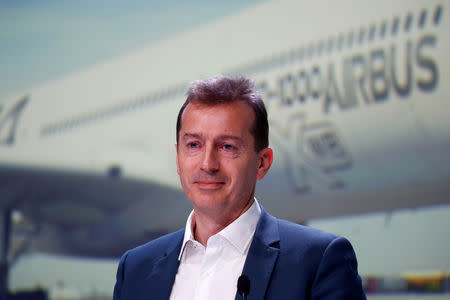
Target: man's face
x: 216, y: 158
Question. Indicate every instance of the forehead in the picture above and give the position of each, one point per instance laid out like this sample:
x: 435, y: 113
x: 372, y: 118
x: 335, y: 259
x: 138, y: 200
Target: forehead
x: 234, y: 117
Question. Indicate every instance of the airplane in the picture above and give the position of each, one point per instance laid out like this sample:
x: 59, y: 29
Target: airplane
x: 357, y: 97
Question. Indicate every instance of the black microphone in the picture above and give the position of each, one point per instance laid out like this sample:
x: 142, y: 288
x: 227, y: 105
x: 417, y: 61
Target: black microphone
x: 243, y: 286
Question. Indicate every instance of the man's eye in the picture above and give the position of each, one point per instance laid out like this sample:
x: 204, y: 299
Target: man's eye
x: 193, y: 145
x: 228, y: 147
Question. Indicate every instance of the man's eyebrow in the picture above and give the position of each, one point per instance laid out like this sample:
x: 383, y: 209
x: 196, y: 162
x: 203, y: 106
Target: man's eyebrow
x: 230, y: 137
x: 192, y: 135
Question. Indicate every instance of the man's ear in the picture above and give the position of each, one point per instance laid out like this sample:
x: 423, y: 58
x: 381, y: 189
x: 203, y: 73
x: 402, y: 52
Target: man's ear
x: 265, y: 160
x: 178, y: 165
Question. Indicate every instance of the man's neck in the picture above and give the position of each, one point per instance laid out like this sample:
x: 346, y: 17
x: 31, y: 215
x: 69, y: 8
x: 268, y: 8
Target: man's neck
x: 206, y: 225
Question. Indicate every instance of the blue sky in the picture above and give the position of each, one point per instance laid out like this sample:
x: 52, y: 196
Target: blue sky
x: 44, y: 40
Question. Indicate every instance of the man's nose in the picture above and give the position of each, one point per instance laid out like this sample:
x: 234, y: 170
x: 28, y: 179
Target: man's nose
x: 210, y: 162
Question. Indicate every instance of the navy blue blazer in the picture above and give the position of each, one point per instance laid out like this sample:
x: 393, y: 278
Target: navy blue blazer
x: 285, y: 261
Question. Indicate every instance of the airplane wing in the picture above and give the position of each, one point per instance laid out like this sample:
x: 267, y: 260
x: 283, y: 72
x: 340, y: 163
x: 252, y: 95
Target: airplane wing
x: 84, y: 214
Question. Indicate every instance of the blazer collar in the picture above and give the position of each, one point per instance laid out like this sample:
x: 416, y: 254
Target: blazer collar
x: 162, y: 276
x: 262, y: 256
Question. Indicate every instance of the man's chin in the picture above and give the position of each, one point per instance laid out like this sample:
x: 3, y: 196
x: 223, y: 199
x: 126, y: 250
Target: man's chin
x: 208, y: 201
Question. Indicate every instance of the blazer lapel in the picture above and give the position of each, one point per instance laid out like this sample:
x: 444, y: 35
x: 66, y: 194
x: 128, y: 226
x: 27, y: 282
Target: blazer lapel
x: 162, y: 276
x: 262, y: 256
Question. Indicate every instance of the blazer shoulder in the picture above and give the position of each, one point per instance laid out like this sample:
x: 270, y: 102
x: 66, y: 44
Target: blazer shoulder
x: 307, y: 241
x: 136, y: 264
x: 154, y: 249
x: 330, y: 256
x: 296, y: 233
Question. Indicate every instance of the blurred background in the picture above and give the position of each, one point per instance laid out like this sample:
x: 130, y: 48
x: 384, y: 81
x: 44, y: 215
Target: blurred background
x: 357, y: 94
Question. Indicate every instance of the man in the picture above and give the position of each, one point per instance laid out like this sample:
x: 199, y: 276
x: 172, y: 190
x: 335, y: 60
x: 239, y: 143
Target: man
x: 222, y: 150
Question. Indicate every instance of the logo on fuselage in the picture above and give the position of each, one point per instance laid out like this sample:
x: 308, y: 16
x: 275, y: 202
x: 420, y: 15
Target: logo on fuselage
x: 9, y: 120
x: 305, y: 86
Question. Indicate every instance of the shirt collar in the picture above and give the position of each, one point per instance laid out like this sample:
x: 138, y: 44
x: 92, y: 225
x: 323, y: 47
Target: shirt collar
x: 239, y: 233
x: 188, y: 236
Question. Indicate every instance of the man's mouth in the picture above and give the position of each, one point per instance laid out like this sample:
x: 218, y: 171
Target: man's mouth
x: 209, y: 185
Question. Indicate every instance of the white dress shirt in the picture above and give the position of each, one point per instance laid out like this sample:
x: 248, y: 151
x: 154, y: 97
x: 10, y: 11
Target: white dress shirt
x: 212, y: 272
